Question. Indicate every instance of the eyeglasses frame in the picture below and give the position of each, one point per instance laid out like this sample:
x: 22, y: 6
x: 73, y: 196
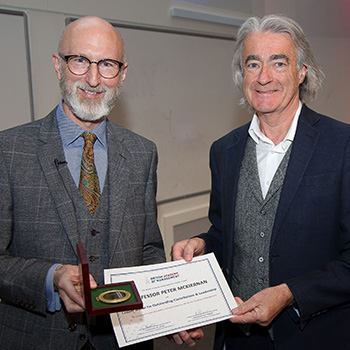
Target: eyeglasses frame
x: 66, y: 58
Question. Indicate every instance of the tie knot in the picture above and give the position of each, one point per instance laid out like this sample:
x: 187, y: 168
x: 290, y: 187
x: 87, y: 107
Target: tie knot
x: 89, y: 138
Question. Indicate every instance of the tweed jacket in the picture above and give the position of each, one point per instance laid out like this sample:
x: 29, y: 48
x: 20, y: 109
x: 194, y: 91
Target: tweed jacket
x: 310, y: 242
x: 39, y: 228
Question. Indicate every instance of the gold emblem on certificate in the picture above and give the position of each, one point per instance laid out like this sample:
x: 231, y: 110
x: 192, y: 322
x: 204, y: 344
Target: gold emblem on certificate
x: 114, y: 296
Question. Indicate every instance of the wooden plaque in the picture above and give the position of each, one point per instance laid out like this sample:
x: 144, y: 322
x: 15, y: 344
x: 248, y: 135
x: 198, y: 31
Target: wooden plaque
x: 106, y: 298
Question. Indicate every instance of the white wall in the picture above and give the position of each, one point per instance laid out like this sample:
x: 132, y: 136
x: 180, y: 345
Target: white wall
x: 46, y: 21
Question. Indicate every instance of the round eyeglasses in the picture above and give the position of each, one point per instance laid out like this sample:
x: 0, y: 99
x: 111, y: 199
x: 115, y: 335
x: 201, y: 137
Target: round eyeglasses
x: 79, y: 65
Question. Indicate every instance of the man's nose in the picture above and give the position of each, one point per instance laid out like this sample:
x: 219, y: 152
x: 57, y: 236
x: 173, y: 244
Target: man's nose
x: 93, y: 76
x: 265, y: 75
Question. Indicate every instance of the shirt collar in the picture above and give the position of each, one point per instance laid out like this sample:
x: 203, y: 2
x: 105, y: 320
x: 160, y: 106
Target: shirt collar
x: 71, y: 131
x: 258, y: 137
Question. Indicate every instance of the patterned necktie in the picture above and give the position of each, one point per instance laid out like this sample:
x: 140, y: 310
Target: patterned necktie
x: 89, y: 186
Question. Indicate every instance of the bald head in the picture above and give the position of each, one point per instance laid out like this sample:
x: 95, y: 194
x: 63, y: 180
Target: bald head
x: 89, y: 96
x: 92, y: 31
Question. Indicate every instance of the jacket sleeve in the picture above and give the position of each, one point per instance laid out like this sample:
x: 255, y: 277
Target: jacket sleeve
x: 22, y: 280
x: 325, y: 281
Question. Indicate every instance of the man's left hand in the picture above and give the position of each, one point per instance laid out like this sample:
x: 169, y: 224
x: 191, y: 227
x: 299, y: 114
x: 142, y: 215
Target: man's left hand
x: 187, y: 337
x: 262, y: 307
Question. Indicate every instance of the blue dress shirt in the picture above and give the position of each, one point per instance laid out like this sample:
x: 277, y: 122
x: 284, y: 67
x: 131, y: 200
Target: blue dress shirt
x: 73, y: 145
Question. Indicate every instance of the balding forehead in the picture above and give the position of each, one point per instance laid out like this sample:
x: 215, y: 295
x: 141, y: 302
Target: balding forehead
x: 88, y: 22
x: 95, y: 26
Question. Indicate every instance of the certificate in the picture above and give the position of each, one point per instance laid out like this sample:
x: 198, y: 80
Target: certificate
x: 176, y: 296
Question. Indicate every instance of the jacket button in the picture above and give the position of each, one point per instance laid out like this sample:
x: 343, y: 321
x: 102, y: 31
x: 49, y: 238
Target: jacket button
x: 82, y: 336
x: 93, y: 232
x: 92, y: 258
x: 72, y: 327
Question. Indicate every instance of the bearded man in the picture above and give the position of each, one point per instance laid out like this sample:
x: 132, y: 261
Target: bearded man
x: 73, y: 177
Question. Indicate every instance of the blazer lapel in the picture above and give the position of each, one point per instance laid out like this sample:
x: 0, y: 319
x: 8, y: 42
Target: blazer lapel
x: 234, y: 156
x: 118, y: 177
x: 303, y: 147
x: 50, y: 153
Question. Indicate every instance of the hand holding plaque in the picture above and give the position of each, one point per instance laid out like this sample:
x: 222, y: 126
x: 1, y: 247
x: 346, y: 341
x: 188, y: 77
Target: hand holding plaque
x: 109, y: 298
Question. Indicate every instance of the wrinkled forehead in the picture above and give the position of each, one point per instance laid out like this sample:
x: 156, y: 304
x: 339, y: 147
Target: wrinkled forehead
x: 268, y: 44
x: 92, y: 37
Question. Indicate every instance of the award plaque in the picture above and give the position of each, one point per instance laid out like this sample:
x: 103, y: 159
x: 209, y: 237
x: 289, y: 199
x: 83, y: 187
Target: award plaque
x: 106, y: 298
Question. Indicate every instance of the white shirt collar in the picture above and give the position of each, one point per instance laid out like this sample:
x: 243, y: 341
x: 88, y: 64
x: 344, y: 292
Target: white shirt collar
x: 258, y: 137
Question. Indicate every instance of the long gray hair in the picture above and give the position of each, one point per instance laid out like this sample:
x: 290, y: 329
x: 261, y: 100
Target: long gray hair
x: 312, y: 83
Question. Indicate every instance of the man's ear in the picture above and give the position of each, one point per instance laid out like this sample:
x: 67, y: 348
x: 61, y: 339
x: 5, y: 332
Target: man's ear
x: 303, y: 72
x: 56, y: 65
x: 123, y: 73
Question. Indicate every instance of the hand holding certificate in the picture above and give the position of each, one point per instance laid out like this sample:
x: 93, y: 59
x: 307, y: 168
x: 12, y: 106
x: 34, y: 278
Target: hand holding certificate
x: 176, y: 296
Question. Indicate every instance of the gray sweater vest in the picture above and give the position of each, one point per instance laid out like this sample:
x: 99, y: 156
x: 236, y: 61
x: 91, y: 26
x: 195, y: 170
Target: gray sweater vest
x: 254, y: 220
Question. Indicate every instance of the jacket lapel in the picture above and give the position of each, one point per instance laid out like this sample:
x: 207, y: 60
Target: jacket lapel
x: 118, y: 177
x: 57, y: 176
x: 233, y: 161
x: 303, y: 147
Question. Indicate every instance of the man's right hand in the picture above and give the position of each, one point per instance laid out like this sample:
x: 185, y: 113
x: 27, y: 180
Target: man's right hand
x: 67, y: 281
x: 187, y: 249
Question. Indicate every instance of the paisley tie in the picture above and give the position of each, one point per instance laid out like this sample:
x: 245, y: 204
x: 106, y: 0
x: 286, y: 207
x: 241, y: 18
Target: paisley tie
x: 89, y: 186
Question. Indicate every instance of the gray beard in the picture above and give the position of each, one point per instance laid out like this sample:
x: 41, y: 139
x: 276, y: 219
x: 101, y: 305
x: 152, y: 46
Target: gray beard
x: 88, y: 110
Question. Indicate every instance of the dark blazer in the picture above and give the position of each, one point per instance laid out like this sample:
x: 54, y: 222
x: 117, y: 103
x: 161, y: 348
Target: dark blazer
x: 310, y: 243
x: 39, y: 228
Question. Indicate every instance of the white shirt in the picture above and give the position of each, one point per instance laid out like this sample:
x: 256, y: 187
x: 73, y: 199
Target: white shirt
x: 269, y: 155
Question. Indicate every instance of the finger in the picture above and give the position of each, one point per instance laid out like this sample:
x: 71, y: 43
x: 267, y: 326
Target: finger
x: 177, y: 339
x: 243, y: 307
x: 177, y: 250
x: 70, y: 305
x: 189, y: 251
x: 186, y: 338
x: 243, y: 319
x: 68, y: 288
x: 73, y: 295
x: 239, y: 300
x: 93, y: 283
x: 194, y: 247
x: 196, y: 334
